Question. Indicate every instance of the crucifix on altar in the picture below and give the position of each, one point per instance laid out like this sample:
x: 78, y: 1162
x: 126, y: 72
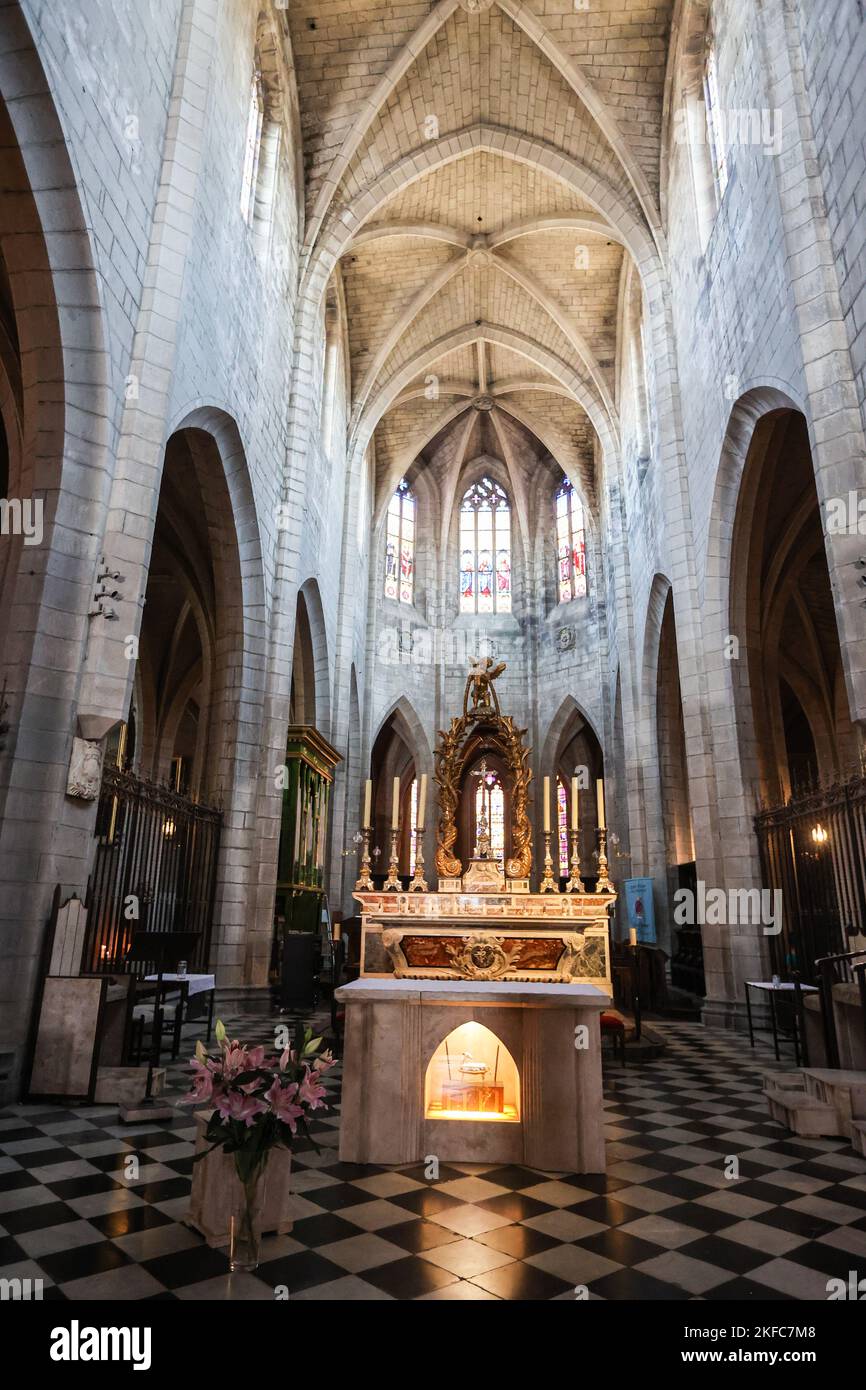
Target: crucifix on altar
x: 485, y: 815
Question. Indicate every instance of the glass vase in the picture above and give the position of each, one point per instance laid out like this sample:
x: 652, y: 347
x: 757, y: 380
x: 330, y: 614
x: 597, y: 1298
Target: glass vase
x: 245, y: 1222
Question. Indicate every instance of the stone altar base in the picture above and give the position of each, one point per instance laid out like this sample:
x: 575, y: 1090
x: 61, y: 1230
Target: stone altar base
x: 393, y: 1029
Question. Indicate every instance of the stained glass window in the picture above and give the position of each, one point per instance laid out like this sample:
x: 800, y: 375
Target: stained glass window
x: 490, y: 797
x: 562, y: 826
x: 400, y: 545
x: 413, y: 822
x: 485, y: 549
x: 570, y: 545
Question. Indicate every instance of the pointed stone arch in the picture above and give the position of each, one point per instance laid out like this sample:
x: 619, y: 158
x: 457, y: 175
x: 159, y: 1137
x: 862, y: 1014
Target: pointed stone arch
x: 60, y: 418
x: 580, y: 390
x: 314, y: 646
x: 347, y: 220
x: 404, y: 717
x: 399, y: 748
x: 569, y: 710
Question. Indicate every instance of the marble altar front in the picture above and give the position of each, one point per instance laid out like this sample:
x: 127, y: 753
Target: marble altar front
x: 529, y: 937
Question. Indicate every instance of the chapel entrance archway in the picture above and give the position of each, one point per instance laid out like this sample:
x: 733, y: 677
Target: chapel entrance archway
x: 795, y: 728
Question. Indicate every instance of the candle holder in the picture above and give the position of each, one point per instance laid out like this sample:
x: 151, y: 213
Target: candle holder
x: 575, y: 882
x: 365, y: 883
x: 418, y: 883
x: 604, y: 884
x: 547, y: 884
x: 392, y: 882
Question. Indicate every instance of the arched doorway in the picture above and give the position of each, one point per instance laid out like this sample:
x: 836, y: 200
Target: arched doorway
x: 302, y: 697
x: 573, y: 750
x: 306, y: 781
x: 55, y: 422
x: 797, y: 744
x: 795, y: 730
x: 393, y: 766
x: 173, y: 779
x: 683, y: 944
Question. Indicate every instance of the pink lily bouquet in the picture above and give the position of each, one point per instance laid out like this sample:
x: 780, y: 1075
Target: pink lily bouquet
x: 261, y: 1102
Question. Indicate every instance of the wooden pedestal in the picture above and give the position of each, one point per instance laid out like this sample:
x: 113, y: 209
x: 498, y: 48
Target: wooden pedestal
x: 215, y: 1183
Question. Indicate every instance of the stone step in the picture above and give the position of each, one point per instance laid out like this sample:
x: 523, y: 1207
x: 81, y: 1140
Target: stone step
x: 783, y: 1081
x: 845, y: 1091
x: 858, y: 1137
x: 804, y: 1115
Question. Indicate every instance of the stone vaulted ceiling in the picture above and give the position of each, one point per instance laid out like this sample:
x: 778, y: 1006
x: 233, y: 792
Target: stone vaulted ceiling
x: 480, y: 173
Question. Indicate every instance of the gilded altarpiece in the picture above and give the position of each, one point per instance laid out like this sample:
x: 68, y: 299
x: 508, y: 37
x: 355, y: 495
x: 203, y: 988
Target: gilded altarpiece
x: 484, y: 923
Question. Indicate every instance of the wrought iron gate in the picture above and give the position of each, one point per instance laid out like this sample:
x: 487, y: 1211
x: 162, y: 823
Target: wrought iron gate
x: 155, y: 869
x: 814, y: 850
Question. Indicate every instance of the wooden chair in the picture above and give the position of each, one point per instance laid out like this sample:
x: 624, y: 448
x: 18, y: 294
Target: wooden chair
x: 172, y: 1001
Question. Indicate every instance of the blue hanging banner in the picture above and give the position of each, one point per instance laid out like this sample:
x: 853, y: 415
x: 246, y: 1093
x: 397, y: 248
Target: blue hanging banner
x: 640, y: 910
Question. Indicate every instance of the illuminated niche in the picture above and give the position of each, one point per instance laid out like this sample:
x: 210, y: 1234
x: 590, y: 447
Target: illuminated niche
x: 472, y: 1076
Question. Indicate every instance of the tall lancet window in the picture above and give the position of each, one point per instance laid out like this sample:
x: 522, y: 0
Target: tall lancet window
x: 562, y: 826
x: 490, y: 803
x: 252, y: 146
x: 715, y: 121
x: 485, y: 549
x: 400, y: 545
x: 413, y: 822
x: 570, y: 545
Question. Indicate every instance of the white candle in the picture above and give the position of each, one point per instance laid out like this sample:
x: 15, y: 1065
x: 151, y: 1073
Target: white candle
x: 632, y: 936
x: 574, y: 819
x: 599, y: 797
x: 395, y: 805
x: 422, y: 800
x: 547, y: 805
x: 368, y: 801
x: 337, y: 931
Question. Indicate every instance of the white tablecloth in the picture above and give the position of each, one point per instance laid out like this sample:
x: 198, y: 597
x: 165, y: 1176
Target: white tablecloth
x: 768, y: 984
x: 198, y: 984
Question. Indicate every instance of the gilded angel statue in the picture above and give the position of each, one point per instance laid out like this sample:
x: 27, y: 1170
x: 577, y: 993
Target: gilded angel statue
x: 480, y: 693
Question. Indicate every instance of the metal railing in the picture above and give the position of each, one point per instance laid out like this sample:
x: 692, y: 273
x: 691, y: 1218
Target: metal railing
x: 154, y: 870
x: 814, y: 849
x: 835, y: 970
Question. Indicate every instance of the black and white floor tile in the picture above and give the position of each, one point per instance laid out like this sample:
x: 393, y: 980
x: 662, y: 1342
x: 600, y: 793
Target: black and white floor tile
x: 664, y: 1221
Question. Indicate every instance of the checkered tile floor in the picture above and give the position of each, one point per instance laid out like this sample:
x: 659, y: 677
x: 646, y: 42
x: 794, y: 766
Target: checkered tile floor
x: 664, y: 1222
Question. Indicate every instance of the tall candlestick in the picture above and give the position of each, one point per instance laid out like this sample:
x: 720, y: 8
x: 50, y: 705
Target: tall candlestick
x: 603, y: 883
x: 599, y: 797
x: 574, y: 820
x: 392, y: 882
x: 368, y: 803
x: 422, y: 800
x: 547, y: 805
x: 395, y: 805
x: 575, y: 882
x: 365, y: 881
x: 418, y: 883
x: 547, y: 884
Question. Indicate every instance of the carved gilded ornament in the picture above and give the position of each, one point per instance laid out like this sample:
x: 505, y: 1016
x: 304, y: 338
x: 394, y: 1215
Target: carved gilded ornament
x: 481, y: 706
x: 484, y: 955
